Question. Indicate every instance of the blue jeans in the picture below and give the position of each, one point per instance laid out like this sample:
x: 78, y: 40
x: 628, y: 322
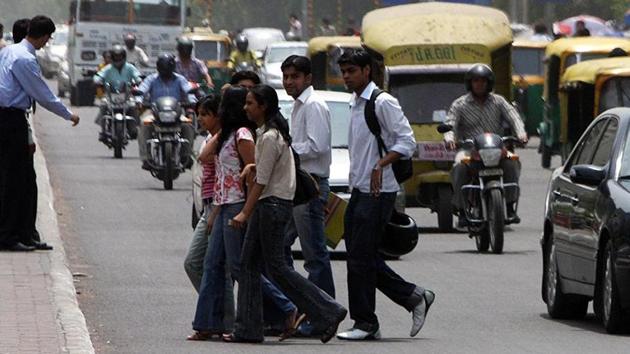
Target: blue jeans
x: 308, y: 225
x: 264, y: 245
x: 364, y: 226
x: 224, y: 249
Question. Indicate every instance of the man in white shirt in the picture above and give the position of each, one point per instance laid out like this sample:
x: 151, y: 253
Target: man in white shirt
x: 374, y: 189
x: 310, y: 131
x: 135, y: 54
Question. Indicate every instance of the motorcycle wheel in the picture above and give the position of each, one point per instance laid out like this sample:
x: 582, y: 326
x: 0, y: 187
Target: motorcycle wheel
x: 168, y: 166
x: 496, y: 220
x: 482, y: 241
x: 118, y: 140
x: 445, y: 208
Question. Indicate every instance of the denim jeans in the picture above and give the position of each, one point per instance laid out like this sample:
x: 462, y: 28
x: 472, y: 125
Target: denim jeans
x: 265, y: 236
x: 308, y: 225
x: 224, y: 251
x: 364, y: 225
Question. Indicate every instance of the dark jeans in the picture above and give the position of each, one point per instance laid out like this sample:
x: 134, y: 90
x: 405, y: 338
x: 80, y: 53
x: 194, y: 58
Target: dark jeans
x: 308, y: 225
x: 364, y: 225
x: 14, y: 177
x: 265, y: 236
x: 224, y: 249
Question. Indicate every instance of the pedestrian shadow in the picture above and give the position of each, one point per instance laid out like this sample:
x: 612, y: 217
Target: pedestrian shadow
x: 589, y: 323
x: 436, y: 230
x: 316, y: 341
x: 337, y: 255
x: 489, y: 253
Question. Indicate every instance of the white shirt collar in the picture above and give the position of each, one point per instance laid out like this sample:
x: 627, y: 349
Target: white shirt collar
x: 303, y: 97
x: 366, y: 94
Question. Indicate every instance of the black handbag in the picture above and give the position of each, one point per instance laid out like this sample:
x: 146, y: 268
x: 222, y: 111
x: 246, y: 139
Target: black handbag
x: 306, y: 188
x: 402, y: 168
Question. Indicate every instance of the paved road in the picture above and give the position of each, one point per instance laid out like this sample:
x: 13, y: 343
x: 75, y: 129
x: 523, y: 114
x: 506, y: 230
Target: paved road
x: 129, y: 237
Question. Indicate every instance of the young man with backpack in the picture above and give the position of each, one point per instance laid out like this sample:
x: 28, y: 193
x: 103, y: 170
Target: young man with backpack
x: 380, y: 144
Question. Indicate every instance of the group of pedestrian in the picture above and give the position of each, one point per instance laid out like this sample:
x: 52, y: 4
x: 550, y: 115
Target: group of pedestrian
x: 21, y: 86
x: 250, y: 222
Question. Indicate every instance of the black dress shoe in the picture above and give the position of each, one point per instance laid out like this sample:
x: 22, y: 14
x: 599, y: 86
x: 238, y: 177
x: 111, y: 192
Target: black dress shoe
x: 42, y: 246
x: 20, y: 247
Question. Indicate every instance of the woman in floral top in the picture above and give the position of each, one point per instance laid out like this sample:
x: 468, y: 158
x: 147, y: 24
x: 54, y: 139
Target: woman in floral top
x: 233, y: 148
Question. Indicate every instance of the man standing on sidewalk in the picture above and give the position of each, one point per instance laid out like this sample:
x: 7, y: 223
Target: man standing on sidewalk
x: 310, y: 129
x: 374, y: 189
x: 20, y: 84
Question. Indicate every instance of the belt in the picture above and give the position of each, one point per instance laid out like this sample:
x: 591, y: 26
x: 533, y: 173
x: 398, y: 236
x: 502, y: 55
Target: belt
x: 12, y: 110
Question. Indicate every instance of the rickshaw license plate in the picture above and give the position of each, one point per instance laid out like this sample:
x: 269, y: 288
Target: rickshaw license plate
x: 491, y: 172
x: 433, y: 151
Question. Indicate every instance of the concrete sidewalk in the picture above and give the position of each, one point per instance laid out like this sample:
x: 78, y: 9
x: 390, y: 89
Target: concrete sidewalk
x: 39, y: 312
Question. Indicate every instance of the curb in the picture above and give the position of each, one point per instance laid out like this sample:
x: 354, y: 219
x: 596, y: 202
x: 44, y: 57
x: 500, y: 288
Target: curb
x: 70, y: 320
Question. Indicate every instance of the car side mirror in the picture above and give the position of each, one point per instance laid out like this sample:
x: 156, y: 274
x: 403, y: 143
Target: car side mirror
x: 589, y: 175
x: 444, y: 128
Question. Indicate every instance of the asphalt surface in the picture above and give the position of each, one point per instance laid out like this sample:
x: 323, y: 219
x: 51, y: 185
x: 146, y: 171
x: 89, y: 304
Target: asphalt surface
x: 126, y: 239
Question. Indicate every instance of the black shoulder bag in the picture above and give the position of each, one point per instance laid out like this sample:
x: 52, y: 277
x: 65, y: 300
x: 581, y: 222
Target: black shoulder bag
x: 403, y: 168
x: 306, y: 188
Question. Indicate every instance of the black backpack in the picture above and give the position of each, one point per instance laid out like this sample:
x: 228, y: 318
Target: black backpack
x: 403, y: 168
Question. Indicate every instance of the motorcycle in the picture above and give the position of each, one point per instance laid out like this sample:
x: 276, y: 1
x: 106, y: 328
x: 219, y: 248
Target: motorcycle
x: 119, y: 121
x: 484, y: 198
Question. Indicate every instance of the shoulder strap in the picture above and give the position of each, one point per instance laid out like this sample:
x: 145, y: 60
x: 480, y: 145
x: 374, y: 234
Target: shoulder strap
x: 372, y: 121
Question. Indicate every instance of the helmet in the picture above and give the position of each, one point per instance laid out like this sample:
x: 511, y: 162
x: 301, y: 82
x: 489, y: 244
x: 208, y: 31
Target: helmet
x: 118, y: 54
x: 184, y: 46
x: 400, y: 237
x: 165, y: 65
x: 480, y: 71
x: 130, y: 40
x: 242, y: 43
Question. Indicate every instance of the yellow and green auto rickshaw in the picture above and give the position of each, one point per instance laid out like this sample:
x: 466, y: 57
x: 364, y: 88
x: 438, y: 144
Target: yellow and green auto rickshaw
x: 324, y: 52
x: 422, y: 52
x: 559, y: 56
x: 586, y: 90
x: 527, y: 80
x: 214, y: 50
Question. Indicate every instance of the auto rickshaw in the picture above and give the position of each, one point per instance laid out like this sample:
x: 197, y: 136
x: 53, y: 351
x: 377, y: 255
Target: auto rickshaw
x: 586, y: 90
x: 559, y: 56
x: 324, y: 52
x: 527, y: 80
x: 422, y: 52
x: 214, y: 50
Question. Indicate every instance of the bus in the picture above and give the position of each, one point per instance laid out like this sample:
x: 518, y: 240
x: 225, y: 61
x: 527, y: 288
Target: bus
x: 96, y: 25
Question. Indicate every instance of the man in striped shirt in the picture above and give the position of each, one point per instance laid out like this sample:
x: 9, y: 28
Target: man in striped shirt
x: 481, y: 111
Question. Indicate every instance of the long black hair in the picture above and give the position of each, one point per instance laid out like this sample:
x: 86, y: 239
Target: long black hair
x: 232, y: 116
x: 210, y: 103
x: 266, y: 95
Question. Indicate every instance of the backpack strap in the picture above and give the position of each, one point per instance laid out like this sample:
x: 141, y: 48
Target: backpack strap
x: 372, y: 121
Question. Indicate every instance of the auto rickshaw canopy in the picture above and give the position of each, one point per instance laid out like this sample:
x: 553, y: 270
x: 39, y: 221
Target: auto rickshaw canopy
x: 206, y: 36
x: 563, y: 46
x: 321, y: 44
x: 524, y: 43
x: 589, y: 71
x: 436, y: 33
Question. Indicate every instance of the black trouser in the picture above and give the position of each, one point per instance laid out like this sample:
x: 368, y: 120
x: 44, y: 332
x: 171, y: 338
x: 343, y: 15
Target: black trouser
x: 14, y: 176
x: 30, y: 234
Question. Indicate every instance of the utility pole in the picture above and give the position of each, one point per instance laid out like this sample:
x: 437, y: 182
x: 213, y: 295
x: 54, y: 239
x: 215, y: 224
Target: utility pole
x: 526, y: 11
x: 513, y: 10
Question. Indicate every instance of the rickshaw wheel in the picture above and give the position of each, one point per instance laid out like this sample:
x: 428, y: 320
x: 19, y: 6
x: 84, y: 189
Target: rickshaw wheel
x: 445, y: 208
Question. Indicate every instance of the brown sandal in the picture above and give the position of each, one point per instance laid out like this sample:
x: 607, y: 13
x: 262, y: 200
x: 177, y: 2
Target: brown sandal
x: 202, y: 336
x: 293, y: 322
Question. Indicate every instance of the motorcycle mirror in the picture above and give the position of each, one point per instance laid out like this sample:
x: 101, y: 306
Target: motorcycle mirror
x: 444, y: 128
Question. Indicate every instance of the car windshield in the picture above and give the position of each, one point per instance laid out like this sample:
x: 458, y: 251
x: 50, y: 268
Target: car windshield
x: 580, y: 57
x: 155, y: 12
x: 615, y: 93
x: 259, y: 40
x: 340, y: 120
x: 528, y: 61
x: 426, y: 98
x: 278, y: 54
x: 211, y: 50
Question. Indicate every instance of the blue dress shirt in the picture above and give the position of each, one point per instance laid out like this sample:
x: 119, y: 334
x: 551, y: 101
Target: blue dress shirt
x: 154, y: 88
x: 21, y: 81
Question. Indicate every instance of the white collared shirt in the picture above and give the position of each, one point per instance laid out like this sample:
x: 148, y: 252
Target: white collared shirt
x: 310, y: 131
x: 363, y: 148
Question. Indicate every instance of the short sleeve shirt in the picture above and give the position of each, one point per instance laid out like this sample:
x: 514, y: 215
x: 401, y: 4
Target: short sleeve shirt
x: 227, y: 189
x: 195, y: 71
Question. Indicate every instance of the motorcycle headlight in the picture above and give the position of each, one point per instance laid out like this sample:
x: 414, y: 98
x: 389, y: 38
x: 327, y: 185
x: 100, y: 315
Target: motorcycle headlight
x: 490, y: 157
x: 118, y: 99
x: 168, y: 117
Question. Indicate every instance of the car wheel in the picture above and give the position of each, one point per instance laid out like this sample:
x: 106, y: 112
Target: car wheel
x: 559, y: 304
x: 611, y: 312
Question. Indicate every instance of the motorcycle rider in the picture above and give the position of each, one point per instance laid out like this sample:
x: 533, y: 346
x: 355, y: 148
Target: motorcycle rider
x: 242, y: 54
x: 135, y: 54
x: 161, y: 84
x: 477, y: 112
x: 193, y: 69
x: 116, y: 74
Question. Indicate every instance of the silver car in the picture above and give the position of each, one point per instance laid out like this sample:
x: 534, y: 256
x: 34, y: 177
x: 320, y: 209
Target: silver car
x: 63, y: 78
x: 275, y: 54
x: 51, y: 56
x: 259, y: 38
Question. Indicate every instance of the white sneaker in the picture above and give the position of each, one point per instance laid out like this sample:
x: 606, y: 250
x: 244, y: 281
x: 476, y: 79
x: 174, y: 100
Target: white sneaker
x: 419, y: 313
x: 359, y: 334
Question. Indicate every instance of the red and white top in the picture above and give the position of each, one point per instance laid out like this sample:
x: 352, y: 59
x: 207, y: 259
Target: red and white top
x: 208, y: 176
x: 227, y: 189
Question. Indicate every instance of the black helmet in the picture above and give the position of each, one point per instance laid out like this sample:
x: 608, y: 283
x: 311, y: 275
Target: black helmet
x: 165, y: 65
x: 118, y: 54
x: 167, y: 109
x: 130, y: 40
x: 184, y: 46
x: 401, y: 235
x: 242, y: 43
x: 480, y: 71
